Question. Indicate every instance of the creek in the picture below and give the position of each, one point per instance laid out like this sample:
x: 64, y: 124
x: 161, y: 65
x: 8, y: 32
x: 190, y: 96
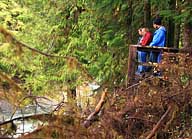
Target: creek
x: 21, y: 125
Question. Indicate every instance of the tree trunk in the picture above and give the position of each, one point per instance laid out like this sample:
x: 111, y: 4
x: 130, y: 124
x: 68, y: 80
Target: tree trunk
x: 129, y: 20
x: 147, y: 13
x: 187, y: 35
x: 177, y: 35
x: 178, y: 31
x: 171, y: 25
x: 187, y: 32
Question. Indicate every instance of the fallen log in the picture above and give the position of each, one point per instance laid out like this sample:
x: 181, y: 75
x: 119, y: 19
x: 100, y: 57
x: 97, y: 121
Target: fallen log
x: 159, y: 123
x: 92, y: 116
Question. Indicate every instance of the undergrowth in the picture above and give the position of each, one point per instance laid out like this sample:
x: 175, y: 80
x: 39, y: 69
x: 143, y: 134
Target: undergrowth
x: 164, y: 103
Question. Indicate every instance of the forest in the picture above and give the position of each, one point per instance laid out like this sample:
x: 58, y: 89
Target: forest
x: 64, y: 70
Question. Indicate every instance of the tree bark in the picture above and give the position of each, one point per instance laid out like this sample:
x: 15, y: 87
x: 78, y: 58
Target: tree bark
x: 177, y: 35
x: 187, y: 35
x: 147, y: 13
x: 187, y: 32
x: 171, y: 25
x: 129, y: 20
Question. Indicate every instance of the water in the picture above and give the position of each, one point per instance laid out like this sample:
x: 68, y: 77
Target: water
x: 85, y: 98
x: 23, y: 126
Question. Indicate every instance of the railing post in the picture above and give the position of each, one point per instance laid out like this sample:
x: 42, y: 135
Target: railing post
x: 131, y: 63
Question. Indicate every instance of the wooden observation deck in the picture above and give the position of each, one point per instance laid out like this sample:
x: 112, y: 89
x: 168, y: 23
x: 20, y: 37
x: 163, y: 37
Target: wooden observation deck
x: 132, y: 59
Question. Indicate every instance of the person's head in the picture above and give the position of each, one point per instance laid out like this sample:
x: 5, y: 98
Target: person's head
x: 144, y: 31
x: 140, y: 31
x: 157, y: 23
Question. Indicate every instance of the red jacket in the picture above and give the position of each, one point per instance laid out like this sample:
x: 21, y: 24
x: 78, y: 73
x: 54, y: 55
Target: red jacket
x: 147, y: 38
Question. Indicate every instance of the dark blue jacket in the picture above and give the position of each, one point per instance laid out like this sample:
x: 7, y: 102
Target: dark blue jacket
x: 159, y: 37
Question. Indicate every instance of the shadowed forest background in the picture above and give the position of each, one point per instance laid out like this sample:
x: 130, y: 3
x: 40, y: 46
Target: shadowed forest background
x: 49, y: 48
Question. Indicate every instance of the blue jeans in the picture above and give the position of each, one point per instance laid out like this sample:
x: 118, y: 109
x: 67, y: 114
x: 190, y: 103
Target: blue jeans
x: 142, y: 58
x: 155, y: 57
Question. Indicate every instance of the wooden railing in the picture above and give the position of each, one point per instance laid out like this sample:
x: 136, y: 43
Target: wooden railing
x: 132, y: 59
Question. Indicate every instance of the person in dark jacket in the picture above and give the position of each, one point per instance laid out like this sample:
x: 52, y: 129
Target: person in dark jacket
x: 159, y: 39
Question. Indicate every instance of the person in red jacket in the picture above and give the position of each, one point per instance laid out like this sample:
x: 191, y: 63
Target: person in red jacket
x: 142, y: 56
x: 147, y: 37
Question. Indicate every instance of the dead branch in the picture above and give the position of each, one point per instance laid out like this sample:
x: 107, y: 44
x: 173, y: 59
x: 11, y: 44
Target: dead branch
x: 137, y: 84
x: 139, y: 118
x: 159, y: 123
x: 10, y: 81
x: 11, y: 39
x: 24, y: 117
x: 29, y: 134
x: 90, y: 118
x: 59, y: 105
x: 30, y: 97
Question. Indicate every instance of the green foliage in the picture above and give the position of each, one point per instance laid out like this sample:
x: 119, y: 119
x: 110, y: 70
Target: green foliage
x: 91, y: 38
x: 96, y: 33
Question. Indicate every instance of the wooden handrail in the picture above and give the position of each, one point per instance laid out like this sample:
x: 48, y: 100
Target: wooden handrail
x: 155, y: 48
